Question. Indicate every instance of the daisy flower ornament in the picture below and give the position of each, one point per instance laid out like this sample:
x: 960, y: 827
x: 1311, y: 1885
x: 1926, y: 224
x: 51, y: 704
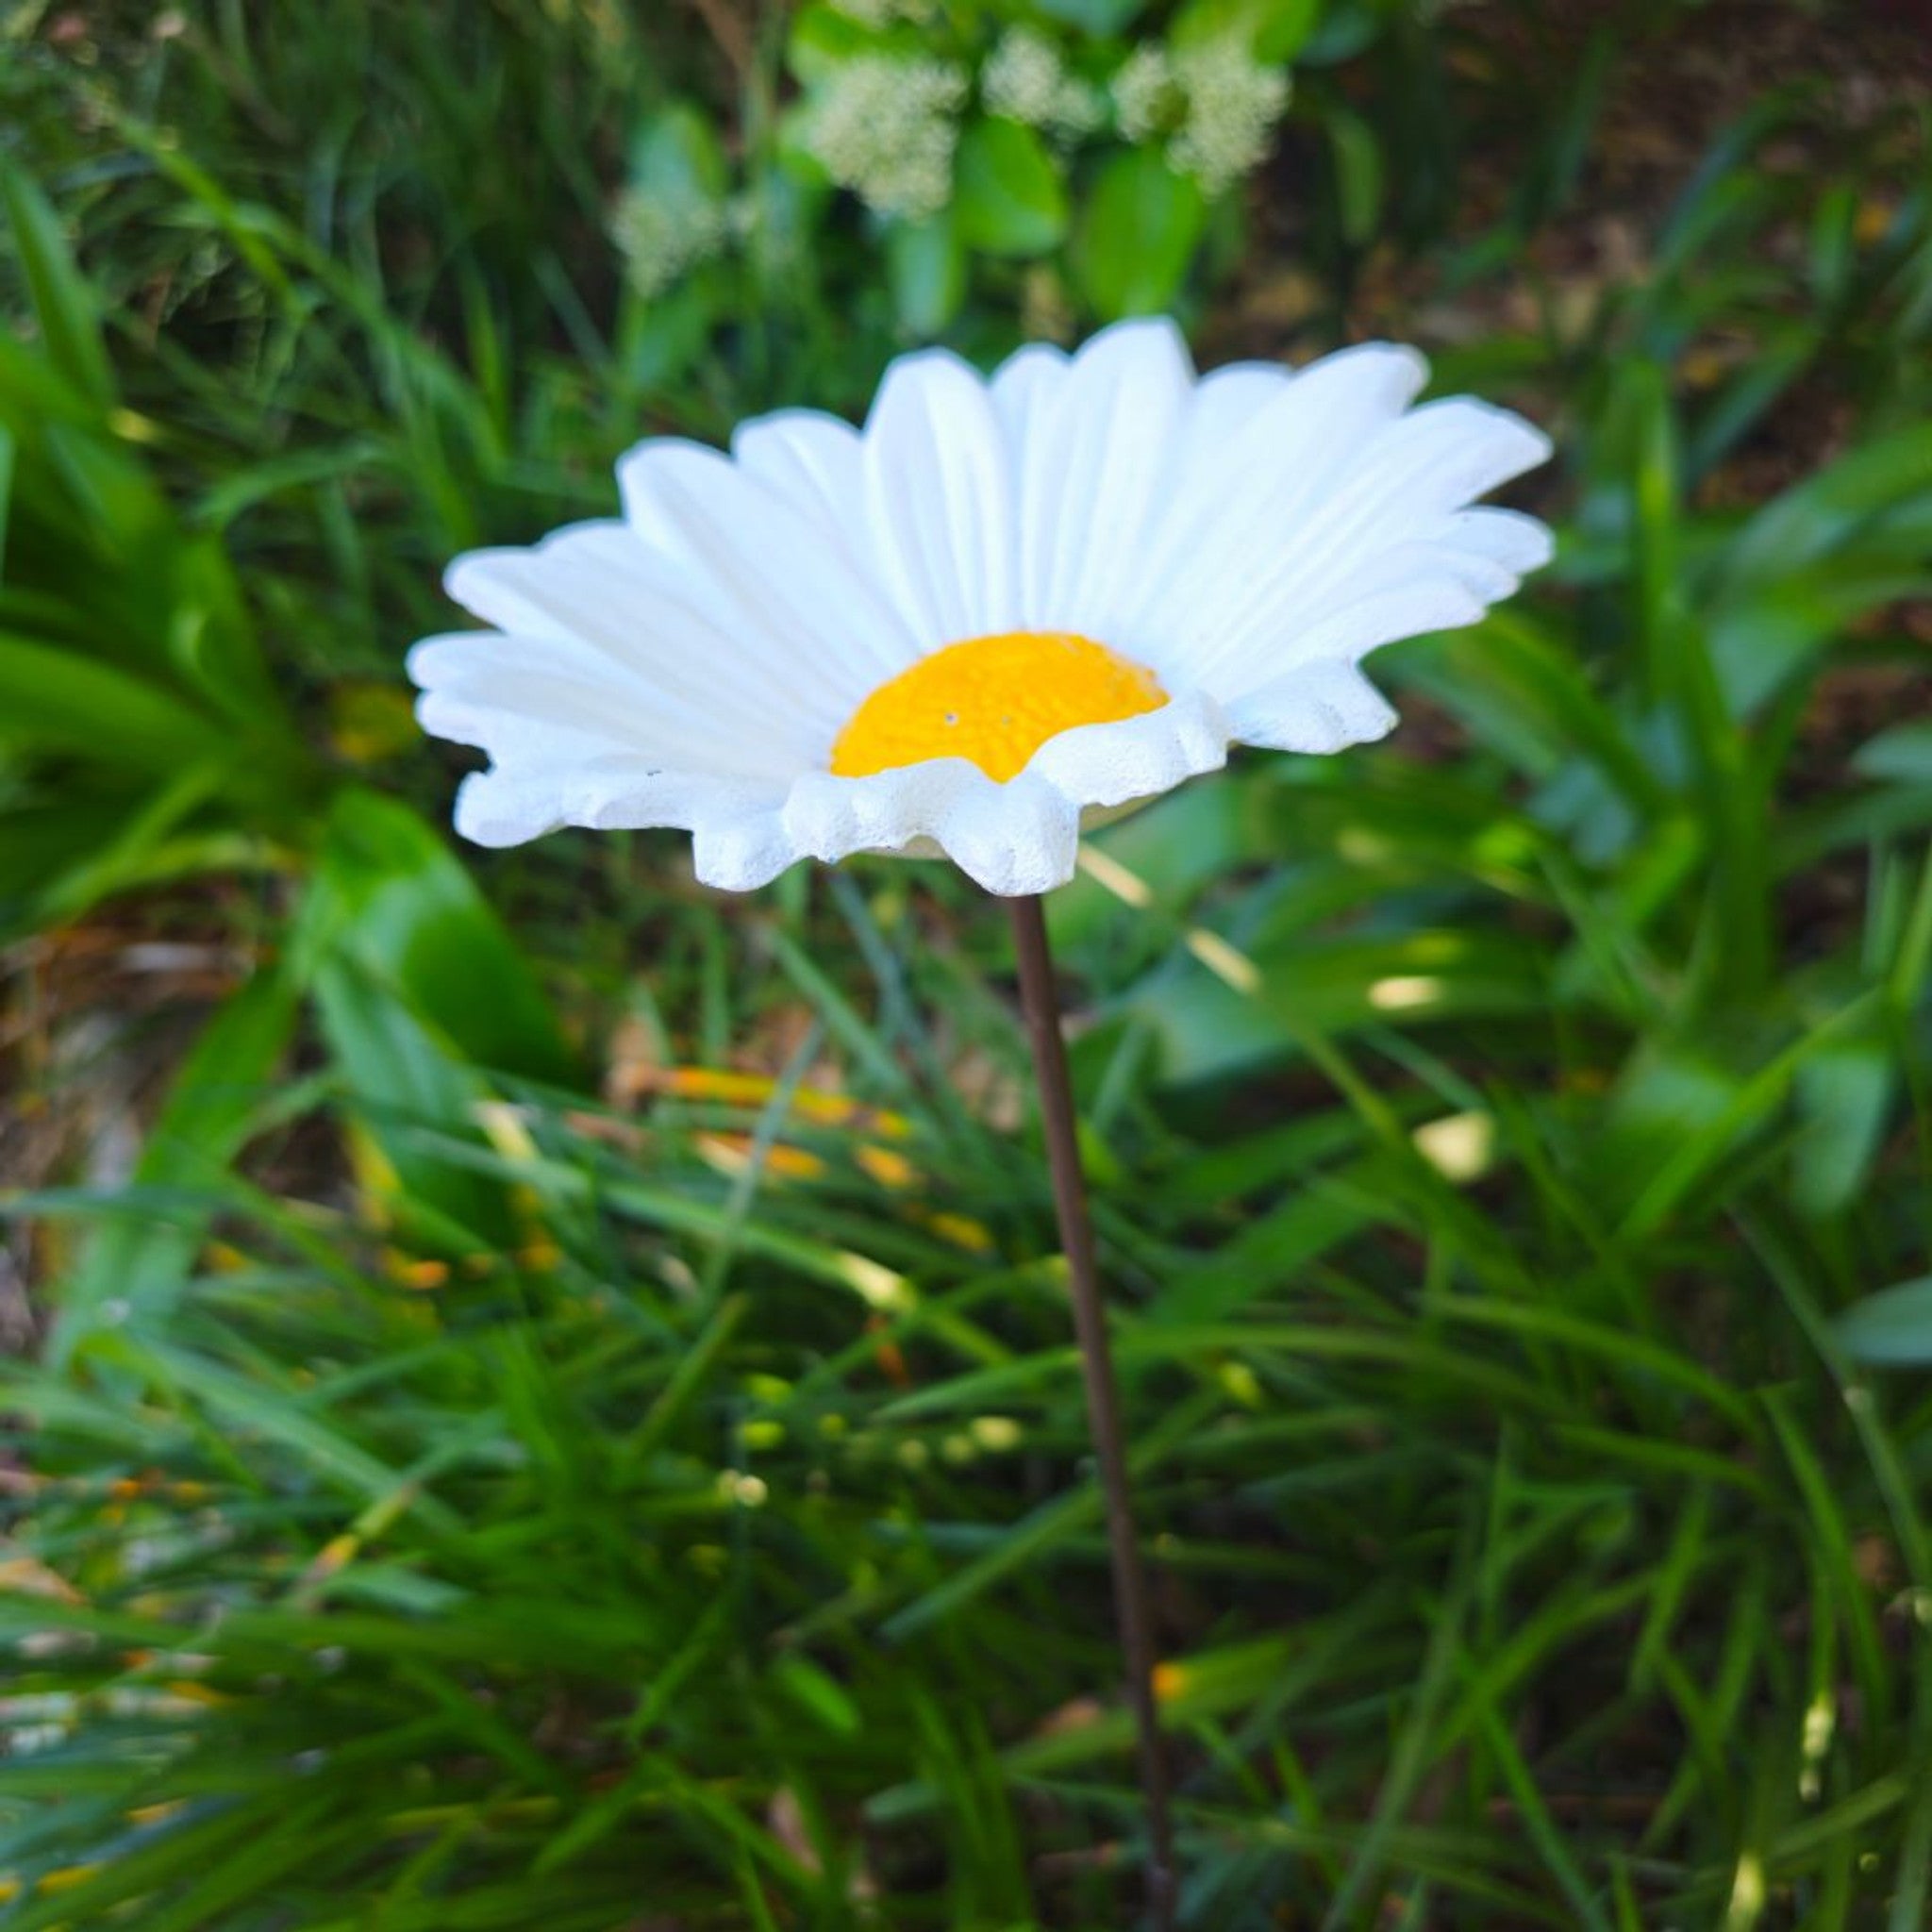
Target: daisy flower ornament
x: 1002, y: 609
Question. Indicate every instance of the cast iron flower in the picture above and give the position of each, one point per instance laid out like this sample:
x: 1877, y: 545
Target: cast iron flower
x: 1001, y: 607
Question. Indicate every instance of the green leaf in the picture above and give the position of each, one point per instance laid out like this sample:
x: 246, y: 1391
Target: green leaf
x: 1345, y: 29
x: 1008, y: 195
x: 1138, y: 236
x: 1758, y: 642
x: 7, y: 446
x: 823, y: 38
x: 1845, y: 1098
x: 1272, y: 30
x: 1892, y: 1327
x: 405, y: 1086
x: 1882, y: 487
x: 1706, y: 1109
x: 148, y: 839
x: 1283, y: 27
x: 678, y: 158
x: 660, y: 338
x: 821, y: 1696
x: 1207, y: 1028
x: 389, y: 894
x: 58, y: 700
x: 1100, y: 18
x: 44, y: 842
x: 421, y: 993
x: 925, y: 268
x: 210, y: 1115
x: 64, y: 306
x: 1358, y: 173
x: 1519, y: 692
x: 1900, y: 753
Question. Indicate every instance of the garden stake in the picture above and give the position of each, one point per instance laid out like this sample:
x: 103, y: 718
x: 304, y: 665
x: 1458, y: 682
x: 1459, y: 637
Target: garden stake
x: 1040, y: 1001
x: 1001, y: 605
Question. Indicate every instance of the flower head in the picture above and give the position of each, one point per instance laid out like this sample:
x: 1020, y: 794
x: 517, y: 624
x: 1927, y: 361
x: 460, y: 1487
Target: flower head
x: 999, y: 606
x: 1145, y: 92
x: 1233, y: 104
x: 1025, y: 79
x: 663, y: 238
x: 1216, y: 103
x: 886, y: 128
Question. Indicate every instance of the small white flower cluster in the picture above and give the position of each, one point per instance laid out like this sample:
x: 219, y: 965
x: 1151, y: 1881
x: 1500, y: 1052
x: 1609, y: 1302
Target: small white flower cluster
x: 886, y: 128
x: 663, y: 238
x: 1144, y: 93
x: 1025, y: 79
x: 1232, y: 106
x: 1220, y: 102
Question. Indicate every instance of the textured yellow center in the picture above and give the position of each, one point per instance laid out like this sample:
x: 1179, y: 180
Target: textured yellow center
x: 995, y: 700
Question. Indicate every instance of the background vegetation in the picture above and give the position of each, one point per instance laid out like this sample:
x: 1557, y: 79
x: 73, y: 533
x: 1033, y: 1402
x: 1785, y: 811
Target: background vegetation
x: 541, y: 1396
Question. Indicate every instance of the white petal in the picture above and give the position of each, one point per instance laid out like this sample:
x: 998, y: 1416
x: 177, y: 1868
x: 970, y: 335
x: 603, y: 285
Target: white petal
x: 810, y: 458
x: 574, y: 584
x: 740, y: 841
x: 1243, y: 493
x: 1019, y: 836
x: 1225, y: 402
x: 1517, y: 542
x: 1416, y: 472
x: 595, y: 584
x: 1104, y: 765
x: 1404, y: 488
x: 742, y: 847
x: 1380, y: 616
x: 1482, y: 577
x: 1022, y: 838
x: 1319, y: 707
x: 940, y: 501
x: 507, y: 694
x: 523, y: 696
x: 1095, y: 460
x: 1011, y: 838
x: 802, y: 610
x: 1024, y: 387
x: 832, y: 817
x: 508, y: 805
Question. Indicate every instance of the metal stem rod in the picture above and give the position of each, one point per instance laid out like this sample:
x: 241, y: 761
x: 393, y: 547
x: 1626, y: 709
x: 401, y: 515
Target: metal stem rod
x: 1040, y: 1001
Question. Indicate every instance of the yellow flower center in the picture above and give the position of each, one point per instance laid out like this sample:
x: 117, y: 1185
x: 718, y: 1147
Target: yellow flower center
x: 995, y: 700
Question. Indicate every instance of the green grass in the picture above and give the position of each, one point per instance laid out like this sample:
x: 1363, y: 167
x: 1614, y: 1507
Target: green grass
x: 476, y: 1475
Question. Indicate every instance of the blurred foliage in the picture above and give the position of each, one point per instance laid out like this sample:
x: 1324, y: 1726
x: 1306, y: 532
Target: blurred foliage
x: 460, y: 1488
x: 1091, y: 140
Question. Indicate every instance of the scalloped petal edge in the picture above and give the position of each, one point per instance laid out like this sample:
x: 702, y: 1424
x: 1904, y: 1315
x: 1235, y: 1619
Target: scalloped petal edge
x: 1016, y: 838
